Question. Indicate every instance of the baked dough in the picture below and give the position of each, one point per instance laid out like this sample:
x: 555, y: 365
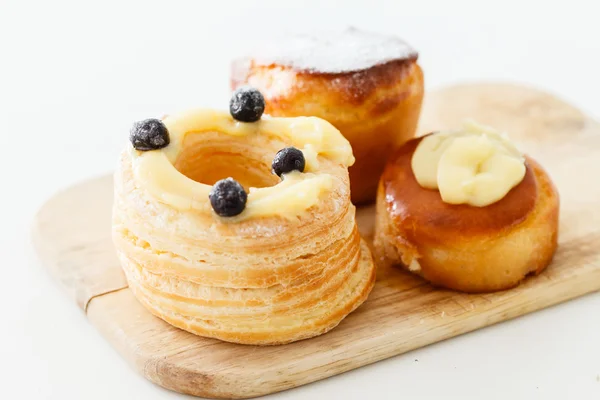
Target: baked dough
x: 462, y: 247
x: 367, y: 85
x: 276, y: 273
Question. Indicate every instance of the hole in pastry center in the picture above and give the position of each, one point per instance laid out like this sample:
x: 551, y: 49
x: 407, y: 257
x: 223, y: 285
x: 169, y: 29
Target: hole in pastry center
x: 207, y: 158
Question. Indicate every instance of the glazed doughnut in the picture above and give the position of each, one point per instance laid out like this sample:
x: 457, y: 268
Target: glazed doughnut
x: 288, y: 265
x: 466, y: 247
x: 367, y: 85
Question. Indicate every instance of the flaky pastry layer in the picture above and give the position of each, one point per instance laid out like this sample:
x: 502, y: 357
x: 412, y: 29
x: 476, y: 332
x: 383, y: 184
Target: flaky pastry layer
x: 267, y: 280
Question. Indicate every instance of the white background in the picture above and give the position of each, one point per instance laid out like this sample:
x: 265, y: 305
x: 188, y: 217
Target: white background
x: 74, y: 75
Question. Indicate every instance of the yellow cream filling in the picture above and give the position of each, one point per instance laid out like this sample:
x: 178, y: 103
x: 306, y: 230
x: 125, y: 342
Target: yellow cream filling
x: 476, y: 165
x: 297, y: 192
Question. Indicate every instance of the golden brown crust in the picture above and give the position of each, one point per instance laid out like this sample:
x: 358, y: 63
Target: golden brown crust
x: 432, y: 218
x: 336, y: 90
x: 472, y: 249
x: 376, y: 109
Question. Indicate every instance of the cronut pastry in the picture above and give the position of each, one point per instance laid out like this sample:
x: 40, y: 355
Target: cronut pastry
x: 290, y: 266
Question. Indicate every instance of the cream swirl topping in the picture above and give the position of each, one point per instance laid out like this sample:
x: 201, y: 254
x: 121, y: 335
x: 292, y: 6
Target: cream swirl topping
x: 476, y: 165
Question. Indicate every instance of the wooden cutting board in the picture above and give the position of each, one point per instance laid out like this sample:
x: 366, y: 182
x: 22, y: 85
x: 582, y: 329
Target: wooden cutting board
x: 72, y: 236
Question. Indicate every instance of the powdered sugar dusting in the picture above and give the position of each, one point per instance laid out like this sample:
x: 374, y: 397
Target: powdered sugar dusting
x: 333, y: 52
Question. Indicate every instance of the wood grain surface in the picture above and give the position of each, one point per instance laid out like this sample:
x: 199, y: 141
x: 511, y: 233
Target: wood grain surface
x: 72, y: 236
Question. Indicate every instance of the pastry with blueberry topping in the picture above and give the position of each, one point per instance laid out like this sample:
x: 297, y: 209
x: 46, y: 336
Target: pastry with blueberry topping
x: 238, y: 225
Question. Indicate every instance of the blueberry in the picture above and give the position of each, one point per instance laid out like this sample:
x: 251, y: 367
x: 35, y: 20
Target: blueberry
x: 149, y: 134
x: 287, y: 160
x: 228, y: 198
x: 247, y: 104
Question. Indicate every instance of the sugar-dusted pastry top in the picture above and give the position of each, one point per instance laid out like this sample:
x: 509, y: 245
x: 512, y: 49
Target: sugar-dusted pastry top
x: 317, y: 139
x: 475, y: 165
x: 331, y: 52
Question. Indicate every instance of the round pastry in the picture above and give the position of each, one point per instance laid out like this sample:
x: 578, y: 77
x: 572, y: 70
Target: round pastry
x: 466, y: 211
x: 256, y: 258
x: 369, y: 86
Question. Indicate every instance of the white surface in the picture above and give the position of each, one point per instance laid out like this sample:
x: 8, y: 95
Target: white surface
x: 74, y: 75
